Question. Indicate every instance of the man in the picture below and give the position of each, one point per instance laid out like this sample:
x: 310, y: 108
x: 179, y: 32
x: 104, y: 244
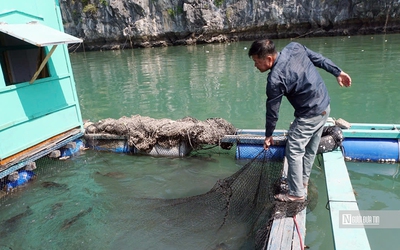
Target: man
x: 293, y: 74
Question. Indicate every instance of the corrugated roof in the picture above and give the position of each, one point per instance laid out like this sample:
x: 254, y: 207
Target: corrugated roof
x: 38, y: 34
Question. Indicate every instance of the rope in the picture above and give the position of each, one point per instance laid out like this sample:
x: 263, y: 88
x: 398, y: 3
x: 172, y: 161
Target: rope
x: 298, y: 232
x: 329, y: 201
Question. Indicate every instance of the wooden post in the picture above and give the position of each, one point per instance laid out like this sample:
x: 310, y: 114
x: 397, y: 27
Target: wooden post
x: 43, y: 64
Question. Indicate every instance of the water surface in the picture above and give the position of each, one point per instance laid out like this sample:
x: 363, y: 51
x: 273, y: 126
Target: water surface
x: 203, y: 81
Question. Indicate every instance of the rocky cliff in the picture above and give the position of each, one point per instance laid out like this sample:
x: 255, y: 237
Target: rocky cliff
x: 116, y: 24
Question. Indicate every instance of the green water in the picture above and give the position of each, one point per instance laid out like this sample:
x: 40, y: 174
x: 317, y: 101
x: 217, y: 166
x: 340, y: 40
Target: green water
x: 220, y: 81
x: 203, y: 81
x: 377, y: 188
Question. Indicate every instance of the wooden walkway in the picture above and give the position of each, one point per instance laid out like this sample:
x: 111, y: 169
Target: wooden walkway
x: 288, y: 233
x: 341, y: 198
x: 285, y: 235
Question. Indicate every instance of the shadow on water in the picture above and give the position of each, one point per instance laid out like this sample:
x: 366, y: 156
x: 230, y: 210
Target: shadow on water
x: 12, y: 224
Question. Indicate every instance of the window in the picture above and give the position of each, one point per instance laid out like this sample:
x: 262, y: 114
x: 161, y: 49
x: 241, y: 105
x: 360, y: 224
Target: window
x: 20, y: 60
x: 23, y: 55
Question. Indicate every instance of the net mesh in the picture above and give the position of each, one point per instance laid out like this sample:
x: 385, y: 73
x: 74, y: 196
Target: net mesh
x: 235, y: 214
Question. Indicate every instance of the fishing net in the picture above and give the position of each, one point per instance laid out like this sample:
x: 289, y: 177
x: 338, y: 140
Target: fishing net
x: 144, y: 132
x: 235, y: 214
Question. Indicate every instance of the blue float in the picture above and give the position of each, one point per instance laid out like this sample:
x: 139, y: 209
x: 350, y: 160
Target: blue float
x: 371, y: 149
x: 23, y: 177
x: 250, y: 151
x: 70, y: 151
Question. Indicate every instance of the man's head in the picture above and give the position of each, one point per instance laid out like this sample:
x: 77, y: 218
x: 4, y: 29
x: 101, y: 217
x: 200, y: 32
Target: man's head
x: 263, y: 53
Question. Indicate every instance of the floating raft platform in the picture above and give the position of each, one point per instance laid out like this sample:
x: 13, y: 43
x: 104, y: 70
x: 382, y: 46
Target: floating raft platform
x: 372, y: 142
x: 58, y: 142
x: 361, y: 142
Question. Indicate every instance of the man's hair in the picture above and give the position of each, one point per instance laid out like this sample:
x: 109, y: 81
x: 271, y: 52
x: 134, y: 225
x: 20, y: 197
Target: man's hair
x: 262, y: 48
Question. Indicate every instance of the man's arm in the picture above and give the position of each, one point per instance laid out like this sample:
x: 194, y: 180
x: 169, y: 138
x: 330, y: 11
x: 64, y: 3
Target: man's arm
x: 274, y: 91
x: 322, y: 62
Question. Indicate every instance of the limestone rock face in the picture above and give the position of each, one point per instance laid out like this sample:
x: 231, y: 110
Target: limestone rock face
x: 117, y: 24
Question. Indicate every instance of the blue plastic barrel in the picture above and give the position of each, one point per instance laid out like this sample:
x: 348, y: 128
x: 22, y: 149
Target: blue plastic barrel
x: 23, y: 177
x: 250, y: 151
x: 71, y: 151
x: 371, y: 149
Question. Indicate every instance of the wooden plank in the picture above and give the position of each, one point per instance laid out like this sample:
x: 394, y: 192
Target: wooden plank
x: 252, y: 139
x: 337, y: 178
x: 14, y: 159
x: 275, y: 237
x: 301, y: 221
x: 281, y: 234
x: 347, y: 238
x: 370, y: 130
x: 374, y: 126
x: 104, y: 136
x: 284, y: 233
x: 43, y: 64
x: 362, y: 133
x: 287, y: 233
x: 260, y: 132
x: 341, y: 198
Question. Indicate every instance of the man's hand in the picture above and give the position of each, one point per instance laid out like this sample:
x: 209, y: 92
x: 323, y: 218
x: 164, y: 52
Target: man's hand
x: 268, y: 142
x: 344, y: 79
